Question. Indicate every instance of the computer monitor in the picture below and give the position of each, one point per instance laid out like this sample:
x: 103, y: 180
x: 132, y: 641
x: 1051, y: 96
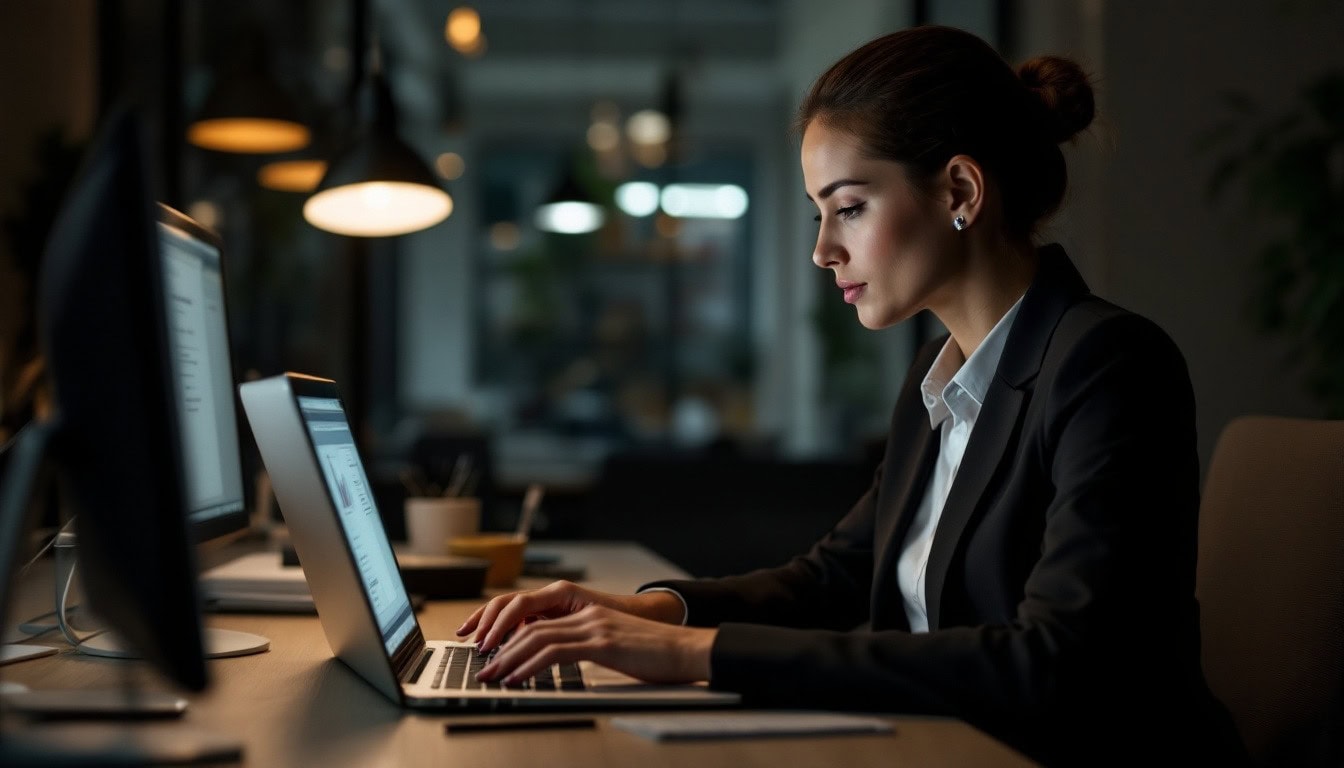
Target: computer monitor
x: 192, y: 258
x: 199, y: 359
x: 117, y: 446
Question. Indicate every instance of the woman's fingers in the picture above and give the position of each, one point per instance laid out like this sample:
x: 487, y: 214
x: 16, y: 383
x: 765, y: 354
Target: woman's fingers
x: 528, y: 653
x: 489, y: 614
x: 557, y: 599
x: 643, y: 648
x: 471, y: 621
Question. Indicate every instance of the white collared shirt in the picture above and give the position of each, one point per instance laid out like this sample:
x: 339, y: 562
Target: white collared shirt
x: 953, y: 393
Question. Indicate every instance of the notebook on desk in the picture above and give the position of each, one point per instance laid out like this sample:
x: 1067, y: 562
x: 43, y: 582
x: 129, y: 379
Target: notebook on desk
x: 323, y: 491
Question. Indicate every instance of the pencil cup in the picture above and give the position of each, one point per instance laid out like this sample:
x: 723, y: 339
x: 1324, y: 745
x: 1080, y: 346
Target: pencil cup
x: 432, y: 520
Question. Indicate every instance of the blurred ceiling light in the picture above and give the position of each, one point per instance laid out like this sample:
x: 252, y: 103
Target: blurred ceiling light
x: 648, y: 126
x: 569, y: 209
x: 604, y: 136
x: 504, y: 236
x: 704, y: 201
x: 570, y: 217
x: 248, y: 135
x: 463, y: 30
x: 246, y: 111
x: 292, y: 175
x: 450, y: 165
x: 378, y: 186
x: 637, y: 198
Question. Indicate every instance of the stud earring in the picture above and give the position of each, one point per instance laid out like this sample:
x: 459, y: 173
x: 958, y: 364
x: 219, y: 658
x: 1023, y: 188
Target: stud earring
x: 959, y: 223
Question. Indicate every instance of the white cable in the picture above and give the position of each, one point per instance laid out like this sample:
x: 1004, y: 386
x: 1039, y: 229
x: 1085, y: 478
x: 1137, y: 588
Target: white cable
x: 67, y: 630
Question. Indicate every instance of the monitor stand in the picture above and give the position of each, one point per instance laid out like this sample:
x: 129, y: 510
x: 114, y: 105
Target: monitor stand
x: 218, y: 644
x: 215, y: 642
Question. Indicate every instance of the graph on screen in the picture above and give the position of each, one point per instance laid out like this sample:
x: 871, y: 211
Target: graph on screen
x: 363, y: 529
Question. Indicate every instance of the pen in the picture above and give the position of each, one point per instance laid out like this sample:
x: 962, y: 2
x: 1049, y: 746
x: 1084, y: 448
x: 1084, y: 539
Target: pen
x: 531, y: 500
x: 519, y: 725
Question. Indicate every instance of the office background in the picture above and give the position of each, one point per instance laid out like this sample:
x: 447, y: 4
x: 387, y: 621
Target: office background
x: 688, y: 342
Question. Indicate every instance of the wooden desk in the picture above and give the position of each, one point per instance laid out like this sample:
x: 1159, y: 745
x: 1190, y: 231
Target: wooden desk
x: 297, y: 705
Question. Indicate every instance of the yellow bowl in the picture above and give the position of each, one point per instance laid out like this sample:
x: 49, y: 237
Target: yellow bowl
x: 503, y: 550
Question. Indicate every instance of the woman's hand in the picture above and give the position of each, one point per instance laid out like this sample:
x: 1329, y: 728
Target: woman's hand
x: 643, y: 648
x: 493, y: 621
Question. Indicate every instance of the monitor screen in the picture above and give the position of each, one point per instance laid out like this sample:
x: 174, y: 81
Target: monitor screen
x: 198, y: 338
x: 348, y: 488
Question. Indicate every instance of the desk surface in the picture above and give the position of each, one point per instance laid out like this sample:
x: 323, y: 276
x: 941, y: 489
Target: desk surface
x: 297, y: 705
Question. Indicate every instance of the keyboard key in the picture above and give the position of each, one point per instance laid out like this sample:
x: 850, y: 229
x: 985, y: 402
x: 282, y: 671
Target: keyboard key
x: 570, y: 677
x: 457, y: 669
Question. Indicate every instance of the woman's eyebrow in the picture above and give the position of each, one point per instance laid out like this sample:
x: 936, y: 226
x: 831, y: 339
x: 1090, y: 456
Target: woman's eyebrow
x: 830, y: 189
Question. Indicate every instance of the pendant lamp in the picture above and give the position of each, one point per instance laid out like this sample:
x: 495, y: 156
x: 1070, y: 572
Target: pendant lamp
x: 568, y: 209
x: 246, y: 111
x: 377, y: 186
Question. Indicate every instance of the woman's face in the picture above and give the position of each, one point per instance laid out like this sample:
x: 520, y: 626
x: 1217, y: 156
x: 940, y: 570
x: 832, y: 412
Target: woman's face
x: 892, y: 249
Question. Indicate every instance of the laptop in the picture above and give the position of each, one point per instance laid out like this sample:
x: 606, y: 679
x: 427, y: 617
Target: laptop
x: 323, y: 491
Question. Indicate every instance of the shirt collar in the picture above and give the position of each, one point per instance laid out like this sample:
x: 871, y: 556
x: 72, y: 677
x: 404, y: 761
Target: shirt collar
x: 956, y: 387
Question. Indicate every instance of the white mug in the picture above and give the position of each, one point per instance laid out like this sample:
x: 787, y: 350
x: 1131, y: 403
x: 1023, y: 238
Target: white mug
x: 432, y: 520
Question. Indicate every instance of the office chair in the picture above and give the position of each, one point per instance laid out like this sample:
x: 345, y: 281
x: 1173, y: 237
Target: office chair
x: 1270, y: 582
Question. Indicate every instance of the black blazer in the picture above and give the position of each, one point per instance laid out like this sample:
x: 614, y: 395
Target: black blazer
x: 1061, y: 579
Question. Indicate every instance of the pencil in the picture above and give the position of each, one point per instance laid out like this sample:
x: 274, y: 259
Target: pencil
x: 519, y: 725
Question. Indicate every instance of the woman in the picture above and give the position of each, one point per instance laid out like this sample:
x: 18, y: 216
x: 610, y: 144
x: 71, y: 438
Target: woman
x: 1025, y: 556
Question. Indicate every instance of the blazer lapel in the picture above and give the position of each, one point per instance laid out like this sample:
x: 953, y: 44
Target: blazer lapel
x: 912, y: 447
x: 989, y: 447
x: 993, y: 441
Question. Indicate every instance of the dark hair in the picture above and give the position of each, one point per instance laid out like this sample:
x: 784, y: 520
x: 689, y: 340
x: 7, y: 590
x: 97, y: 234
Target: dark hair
x: 922, y: 95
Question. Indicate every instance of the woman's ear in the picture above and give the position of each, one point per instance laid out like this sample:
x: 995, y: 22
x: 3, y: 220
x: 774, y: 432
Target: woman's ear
x: 966, y: 189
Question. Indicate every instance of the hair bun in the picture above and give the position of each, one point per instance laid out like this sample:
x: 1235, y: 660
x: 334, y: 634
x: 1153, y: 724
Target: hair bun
x: 1063, y: 89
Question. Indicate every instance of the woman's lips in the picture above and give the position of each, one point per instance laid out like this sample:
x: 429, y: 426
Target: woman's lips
x: 852, y: 290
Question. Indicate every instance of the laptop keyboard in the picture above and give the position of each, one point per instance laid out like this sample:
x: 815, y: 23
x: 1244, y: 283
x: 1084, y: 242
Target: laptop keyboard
x: 457, y: 667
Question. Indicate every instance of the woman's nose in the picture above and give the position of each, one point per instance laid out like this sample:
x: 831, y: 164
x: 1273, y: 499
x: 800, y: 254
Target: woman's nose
x: 827, y: 252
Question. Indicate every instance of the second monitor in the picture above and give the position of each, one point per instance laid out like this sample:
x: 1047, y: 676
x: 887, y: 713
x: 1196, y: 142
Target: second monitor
x: 191, y: 258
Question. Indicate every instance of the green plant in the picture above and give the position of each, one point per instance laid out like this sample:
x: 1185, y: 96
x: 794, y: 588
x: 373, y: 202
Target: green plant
x: 1289, y: 170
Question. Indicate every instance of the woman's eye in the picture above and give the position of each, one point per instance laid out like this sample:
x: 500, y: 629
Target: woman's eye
x: 850, y: 211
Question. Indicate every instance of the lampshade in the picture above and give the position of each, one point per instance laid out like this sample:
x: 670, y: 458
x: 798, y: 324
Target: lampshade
x: 569, y: 209
x: 247, y: 112
x: 297, y: 175
x: 377, y: 186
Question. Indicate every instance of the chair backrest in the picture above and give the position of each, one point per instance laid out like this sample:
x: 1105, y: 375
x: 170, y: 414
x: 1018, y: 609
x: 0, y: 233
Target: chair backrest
x: 1270, y: 582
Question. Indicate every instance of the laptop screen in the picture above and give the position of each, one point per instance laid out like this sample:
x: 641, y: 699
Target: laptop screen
x: 348, y: 487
